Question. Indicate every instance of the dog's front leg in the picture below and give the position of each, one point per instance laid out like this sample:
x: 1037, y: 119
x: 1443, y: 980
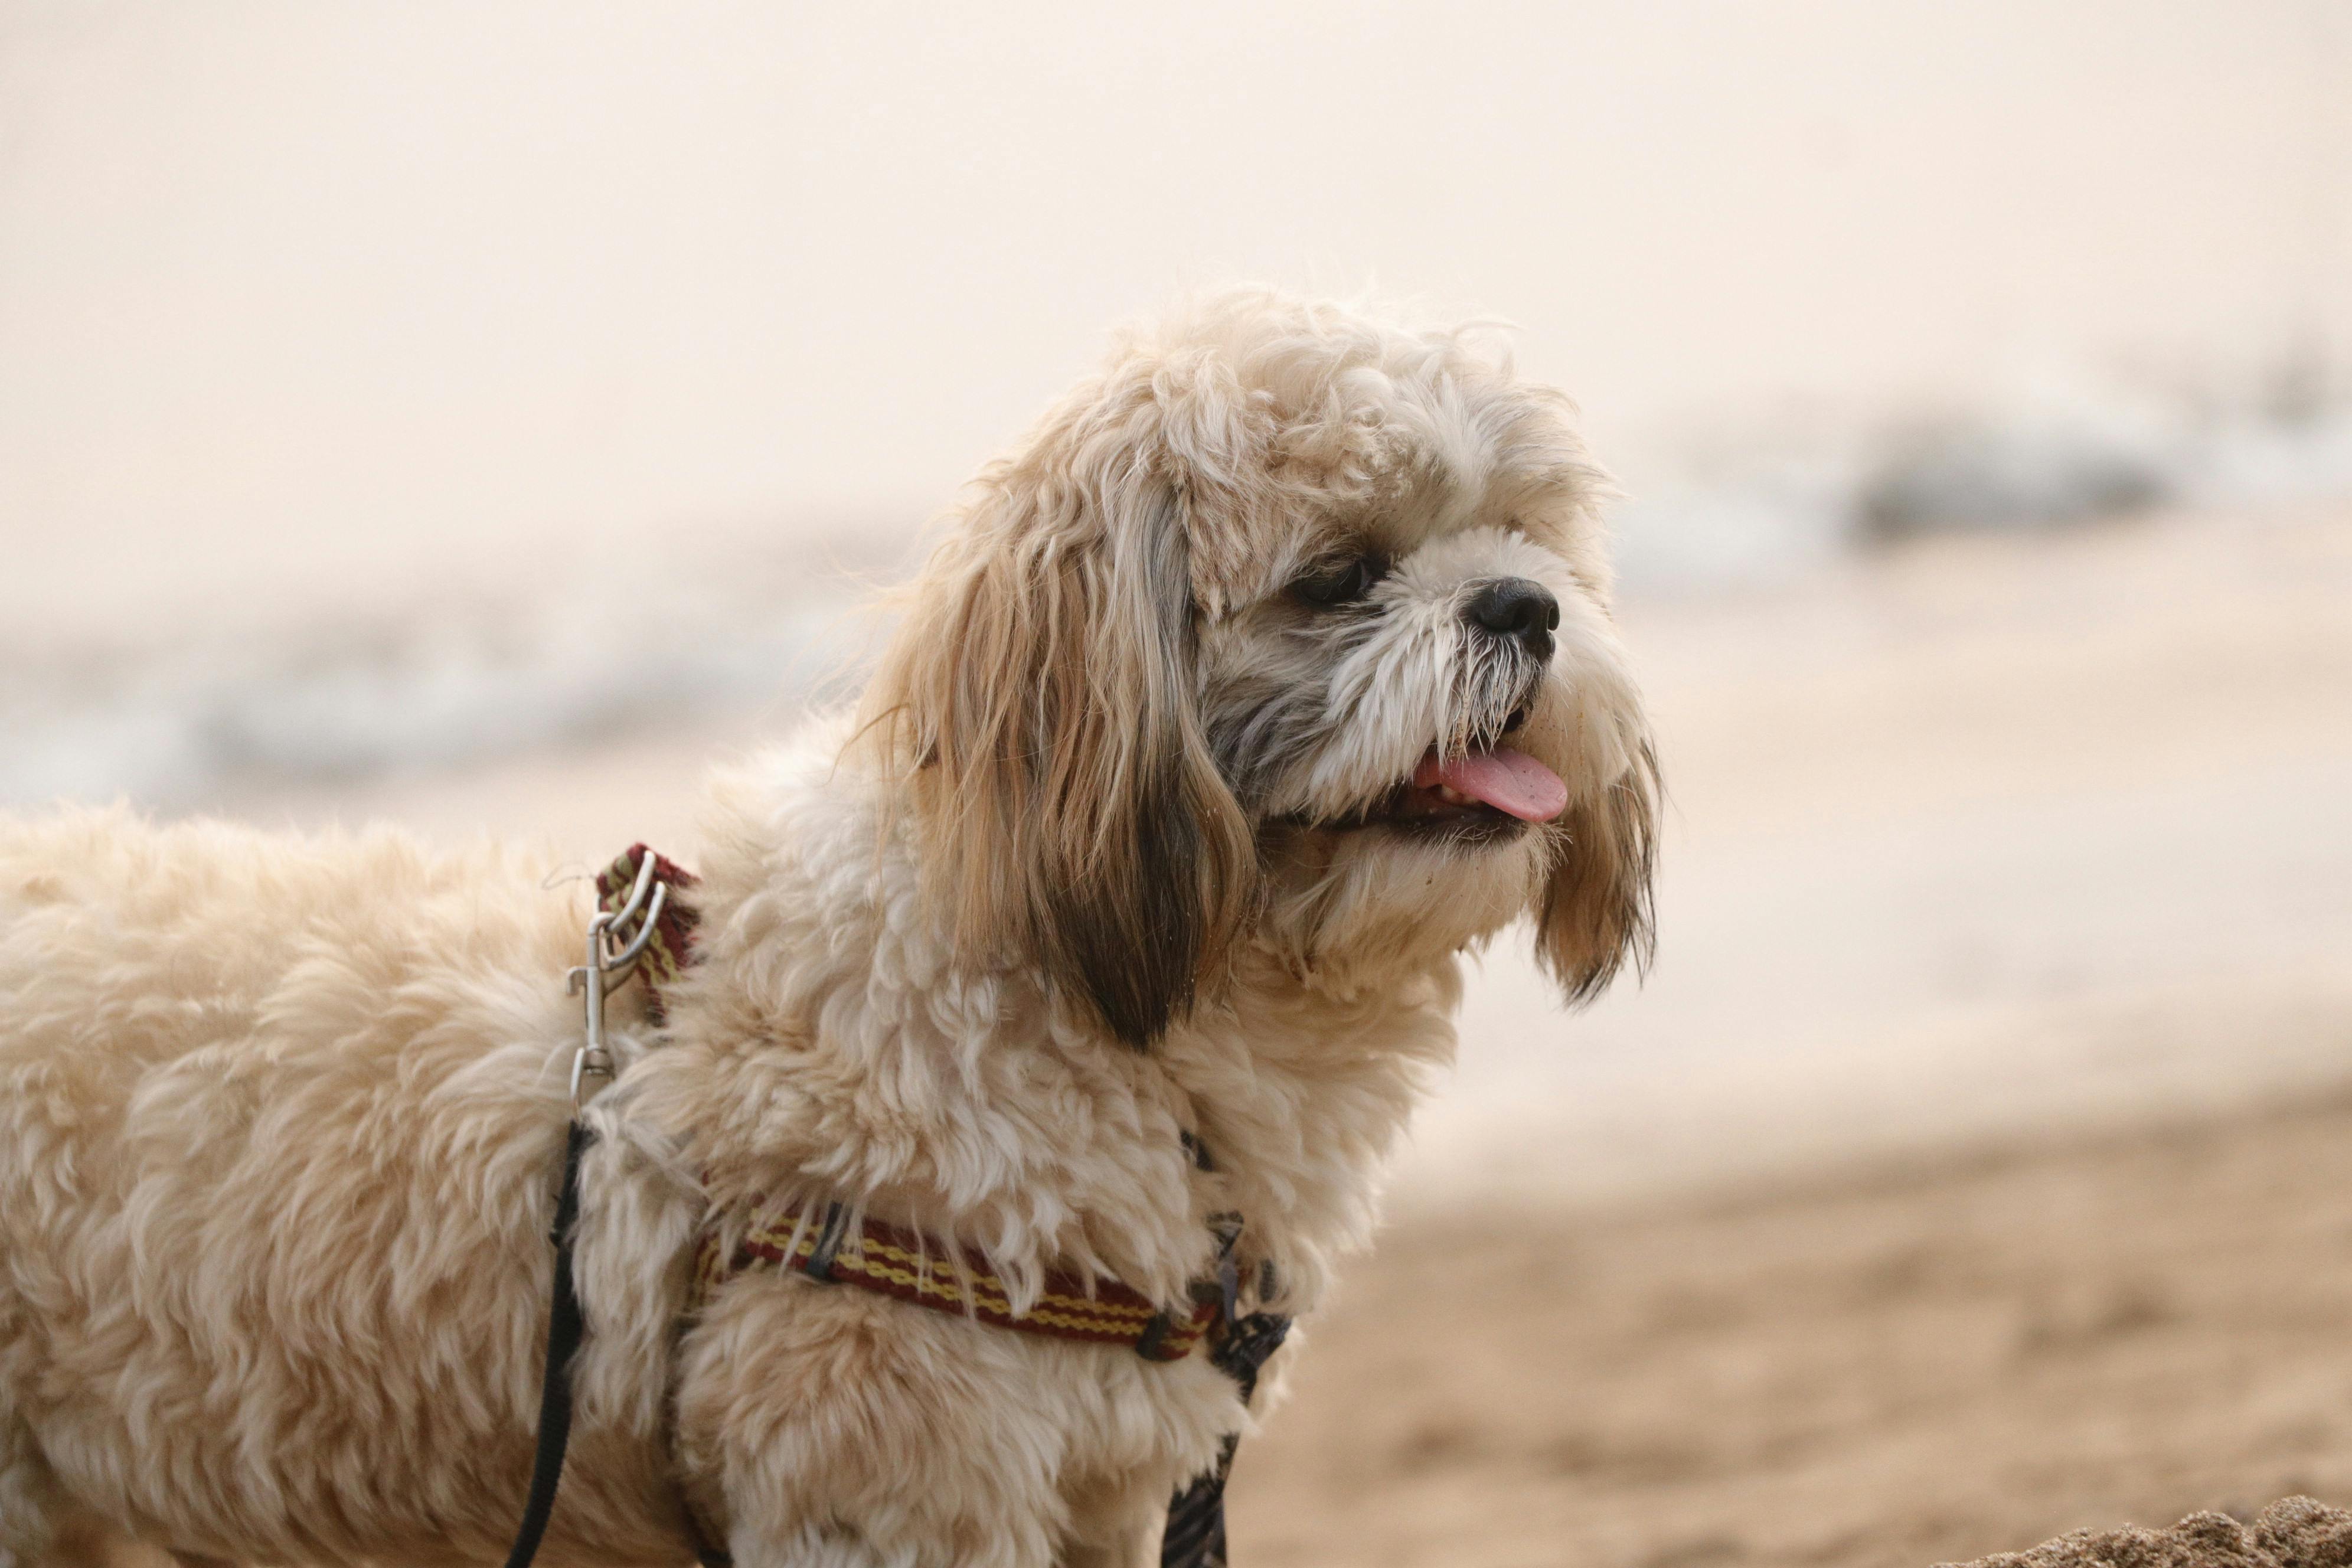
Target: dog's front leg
x: 835, y: 1428
x: 1113, y: 1524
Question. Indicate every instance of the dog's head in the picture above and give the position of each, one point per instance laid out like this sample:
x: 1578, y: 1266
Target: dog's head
x: 1292, y: 627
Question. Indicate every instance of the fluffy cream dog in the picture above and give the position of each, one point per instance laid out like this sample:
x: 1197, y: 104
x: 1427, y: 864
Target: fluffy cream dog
x: 1273, y: 672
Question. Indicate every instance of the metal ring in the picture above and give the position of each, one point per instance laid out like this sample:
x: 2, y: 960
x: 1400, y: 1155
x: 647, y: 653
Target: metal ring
x: 645, y: 928
x: 635, y: 900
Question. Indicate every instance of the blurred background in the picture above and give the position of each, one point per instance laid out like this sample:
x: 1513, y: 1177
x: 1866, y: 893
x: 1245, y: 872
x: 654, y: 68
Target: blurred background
x: 481, y: 416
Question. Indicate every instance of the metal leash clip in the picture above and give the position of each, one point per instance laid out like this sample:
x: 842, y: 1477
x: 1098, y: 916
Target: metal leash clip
x: 617, y: 940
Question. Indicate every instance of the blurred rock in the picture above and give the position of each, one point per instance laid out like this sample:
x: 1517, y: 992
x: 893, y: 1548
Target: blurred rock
x: 2295, y: 1534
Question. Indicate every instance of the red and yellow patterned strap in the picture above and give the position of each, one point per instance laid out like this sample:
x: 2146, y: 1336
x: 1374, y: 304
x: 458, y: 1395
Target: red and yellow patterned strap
x: 821, y: 1242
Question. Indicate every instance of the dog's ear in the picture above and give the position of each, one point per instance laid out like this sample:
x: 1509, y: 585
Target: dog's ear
x: 1043, y: 689
x: 1596, y: 910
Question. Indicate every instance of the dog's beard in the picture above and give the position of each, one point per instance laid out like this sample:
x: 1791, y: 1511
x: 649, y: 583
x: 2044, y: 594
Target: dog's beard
x: 1408, y: 729
x: 1409, y: 822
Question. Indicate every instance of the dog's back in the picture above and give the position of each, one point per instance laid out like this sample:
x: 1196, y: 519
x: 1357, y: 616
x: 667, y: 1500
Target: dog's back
x: 277, y: 1119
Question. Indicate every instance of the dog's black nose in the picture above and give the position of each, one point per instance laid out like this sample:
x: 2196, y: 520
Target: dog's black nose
x: 1516, y: 607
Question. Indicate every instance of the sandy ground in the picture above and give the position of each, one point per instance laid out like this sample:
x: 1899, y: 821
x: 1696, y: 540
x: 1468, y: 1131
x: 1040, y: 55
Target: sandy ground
x: 1972, y: 1168
x: 1896, y: 1366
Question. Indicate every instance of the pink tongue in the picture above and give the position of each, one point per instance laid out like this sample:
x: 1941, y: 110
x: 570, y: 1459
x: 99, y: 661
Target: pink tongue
x: 1505, y: 779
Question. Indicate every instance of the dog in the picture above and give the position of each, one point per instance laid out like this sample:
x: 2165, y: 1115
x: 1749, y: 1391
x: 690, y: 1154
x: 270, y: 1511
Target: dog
x: 1274, y: 672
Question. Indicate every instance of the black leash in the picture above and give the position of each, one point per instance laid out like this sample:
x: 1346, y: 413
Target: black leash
x: 624, y: 931
x: 564, y: 1331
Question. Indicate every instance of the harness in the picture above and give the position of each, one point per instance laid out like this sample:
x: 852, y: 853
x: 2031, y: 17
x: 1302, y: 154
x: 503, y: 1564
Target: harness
x: 640, y: 927
x: 825, y: 1242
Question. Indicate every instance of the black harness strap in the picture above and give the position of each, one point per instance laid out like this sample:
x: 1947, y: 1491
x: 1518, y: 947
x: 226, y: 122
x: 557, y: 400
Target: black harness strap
x: 1195, y: 1535
x: 564, y: 1334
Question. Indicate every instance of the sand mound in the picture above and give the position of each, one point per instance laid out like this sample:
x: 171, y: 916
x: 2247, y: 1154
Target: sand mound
x: 2293, y: 1533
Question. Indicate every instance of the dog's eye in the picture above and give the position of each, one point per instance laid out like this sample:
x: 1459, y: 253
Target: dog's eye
x: 1342, y: 583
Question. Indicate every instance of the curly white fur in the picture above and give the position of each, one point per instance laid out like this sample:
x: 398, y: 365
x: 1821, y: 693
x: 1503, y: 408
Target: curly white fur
x: 278, y: 1117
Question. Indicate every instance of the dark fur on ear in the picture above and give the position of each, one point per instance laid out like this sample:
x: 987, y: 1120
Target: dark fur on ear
x: 1135, y: 935
x: 1597, y: 911
x: 1041, y: 693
